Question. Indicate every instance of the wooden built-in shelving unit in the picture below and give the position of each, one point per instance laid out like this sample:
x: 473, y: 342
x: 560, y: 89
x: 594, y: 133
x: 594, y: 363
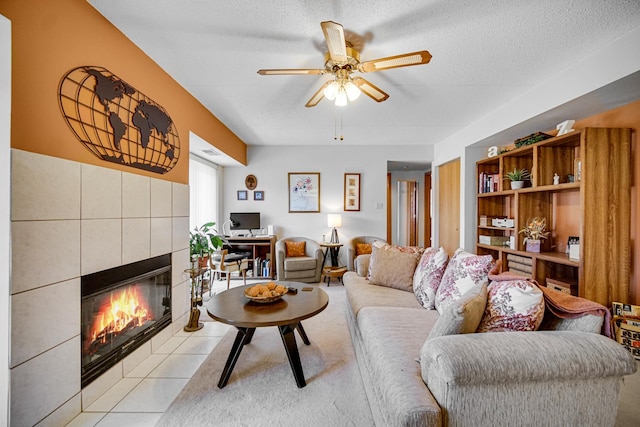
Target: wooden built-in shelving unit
x: 596, y: 207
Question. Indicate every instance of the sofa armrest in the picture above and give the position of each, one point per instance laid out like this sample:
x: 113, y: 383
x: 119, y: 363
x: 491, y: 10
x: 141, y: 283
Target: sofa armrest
x: 531, y: 356
x: 545, y: 378
x: 362, y: 265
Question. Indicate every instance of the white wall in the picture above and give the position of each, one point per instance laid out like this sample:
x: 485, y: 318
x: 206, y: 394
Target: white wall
x: 5, y: 242
x: 272, y: 164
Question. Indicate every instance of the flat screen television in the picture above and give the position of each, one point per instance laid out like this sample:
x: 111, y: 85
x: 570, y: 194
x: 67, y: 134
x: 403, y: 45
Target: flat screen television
x: 245, y: 221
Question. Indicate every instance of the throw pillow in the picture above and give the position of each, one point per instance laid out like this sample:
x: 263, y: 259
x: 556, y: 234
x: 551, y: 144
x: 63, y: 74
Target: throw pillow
x: 513, y: 305
x: 428, y: 275
x: 403, y: 249
x: 392, y: 268
x: 363, y: 248
x: 464, y: 271
x: 463, y: 315
x: 295, y: 249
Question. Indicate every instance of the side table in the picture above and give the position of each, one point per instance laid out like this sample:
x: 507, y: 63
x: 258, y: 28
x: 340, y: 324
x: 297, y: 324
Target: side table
x: 333, y: 249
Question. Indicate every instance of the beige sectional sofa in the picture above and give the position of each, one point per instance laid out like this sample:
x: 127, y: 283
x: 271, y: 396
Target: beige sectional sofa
x: 569, y: 376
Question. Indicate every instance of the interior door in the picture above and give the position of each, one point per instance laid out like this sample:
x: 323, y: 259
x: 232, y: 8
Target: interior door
x: 427, y: 210
x: 449, y: 205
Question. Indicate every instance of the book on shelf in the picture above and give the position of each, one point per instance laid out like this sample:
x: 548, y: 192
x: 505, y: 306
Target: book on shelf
x: 488, y: 182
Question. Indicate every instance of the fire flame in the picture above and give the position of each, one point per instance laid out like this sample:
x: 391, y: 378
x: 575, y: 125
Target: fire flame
x: 124, y: 311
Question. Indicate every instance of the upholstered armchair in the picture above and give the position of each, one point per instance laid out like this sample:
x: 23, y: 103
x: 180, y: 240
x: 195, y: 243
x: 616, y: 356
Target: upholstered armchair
x: 299, y: 259
x: 359, y: 252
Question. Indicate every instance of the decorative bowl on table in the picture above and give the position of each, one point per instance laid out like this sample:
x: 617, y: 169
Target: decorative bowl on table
x: 265, y: 292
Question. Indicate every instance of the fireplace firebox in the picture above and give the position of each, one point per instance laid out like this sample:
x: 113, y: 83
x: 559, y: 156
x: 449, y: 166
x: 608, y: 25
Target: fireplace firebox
x: 122, y: 308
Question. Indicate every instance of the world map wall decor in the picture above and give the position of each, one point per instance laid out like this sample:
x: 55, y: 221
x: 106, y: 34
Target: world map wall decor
x: 116, y: 122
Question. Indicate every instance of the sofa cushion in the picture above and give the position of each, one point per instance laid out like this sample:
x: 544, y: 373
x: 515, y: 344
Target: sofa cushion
x: 513, y: 305
x: 463, y: 315
x: 464, y: 271
x: 391, y: 341
x: 393, y: 268
x: 361, y: 293
x: 299, y: 263
x: 428, y: 275
x: 295, y: 249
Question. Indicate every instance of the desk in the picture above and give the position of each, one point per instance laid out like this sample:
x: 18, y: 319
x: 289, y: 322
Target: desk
x: 333, y: 249
x: 257, y: 248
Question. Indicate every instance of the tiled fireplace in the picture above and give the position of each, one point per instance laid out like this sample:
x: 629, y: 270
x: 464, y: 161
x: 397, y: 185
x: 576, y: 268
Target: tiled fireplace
x: 122, y: 308
x: 70, y: 220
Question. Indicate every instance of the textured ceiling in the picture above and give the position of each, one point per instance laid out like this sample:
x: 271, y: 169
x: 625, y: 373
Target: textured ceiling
x: 485, y: 53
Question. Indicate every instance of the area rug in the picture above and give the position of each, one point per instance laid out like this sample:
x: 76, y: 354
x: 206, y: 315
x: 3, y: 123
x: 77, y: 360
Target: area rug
x: 262, y: 390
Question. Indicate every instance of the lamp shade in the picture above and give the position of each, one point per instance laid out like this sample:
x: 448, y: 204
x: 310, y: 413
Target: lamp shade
x: 334, y: 220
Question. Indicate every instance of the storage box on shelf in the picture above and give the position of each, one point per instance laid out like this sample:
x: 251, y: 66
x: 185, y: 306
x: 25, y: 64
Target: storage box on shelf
x: 591, y: 201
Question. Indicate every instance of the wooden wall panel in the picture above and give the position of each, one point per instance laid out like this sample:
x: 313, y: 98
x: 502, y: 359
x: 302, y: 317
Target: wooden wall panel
x: 449, y: 205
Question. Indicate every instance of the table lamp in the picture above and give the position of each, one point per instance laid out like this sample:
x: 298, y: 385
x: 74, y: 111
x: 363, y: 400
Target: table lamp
x: 334, y: 220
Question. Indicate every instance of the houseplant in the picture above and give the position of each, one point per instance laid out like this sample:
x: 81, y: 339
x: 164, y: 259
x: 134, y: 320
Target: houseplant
x: 517, y: 177
x: 202, y: 241
x: 534, y: 233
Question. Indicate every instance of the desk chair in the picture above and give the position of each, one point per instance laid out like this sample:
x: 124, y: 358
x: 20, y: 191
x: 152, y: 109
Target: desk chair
x: 224, y: 266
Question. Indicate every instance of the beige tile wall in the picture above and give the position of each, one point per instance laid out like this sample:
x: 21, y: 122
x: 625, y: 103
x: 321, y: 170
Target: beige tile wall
x: 70, y: 219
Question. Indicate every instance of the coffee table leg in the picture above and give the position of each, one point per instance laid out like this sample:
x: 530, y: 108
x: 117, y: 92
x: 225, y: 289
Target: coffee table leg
x: 289, y: 341
x: 243, y: 337
x: 303, y: 334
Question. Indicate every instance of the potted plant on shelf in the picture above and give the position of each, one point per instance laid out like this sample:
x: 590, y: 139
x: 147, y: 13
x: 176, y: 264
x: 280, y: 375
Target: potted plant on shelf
x: 203, y: 241
x: 517, y: 177
x: 534, y: 233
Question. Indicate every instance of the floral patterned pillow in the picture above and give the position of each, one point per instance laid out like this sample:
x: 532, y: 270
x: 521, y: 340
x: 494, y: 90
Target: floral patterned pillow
x: 512, y: 305
x: 464, y: 271
x: 428, y: 275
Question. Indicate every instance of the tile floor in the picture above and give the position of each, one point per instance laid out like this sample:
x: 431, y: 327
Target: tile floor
x: 139, y: 399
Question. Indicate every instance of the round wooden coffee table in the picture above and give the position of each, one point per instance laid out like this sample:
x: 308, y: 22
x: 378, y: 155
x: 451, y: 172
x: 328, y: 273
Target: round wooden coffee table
x: 233, y: 308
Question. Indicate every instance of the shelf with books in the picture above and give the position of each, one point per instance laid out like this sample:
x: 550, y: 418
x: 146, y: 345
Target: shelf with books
x: 580, y: 184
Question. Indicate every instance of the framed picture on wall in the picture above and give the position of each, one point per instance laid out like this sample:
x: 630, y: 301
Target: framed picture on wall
x: 258, y: 195
x: 304, y: 191
x: 351, y: 191
x: 242, y: 195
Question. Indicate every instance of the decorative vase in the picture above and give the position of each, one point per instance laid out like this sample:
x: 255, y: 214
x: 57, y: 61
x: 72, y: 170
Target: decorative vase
x: 533, y: 245
x: 516, y: 185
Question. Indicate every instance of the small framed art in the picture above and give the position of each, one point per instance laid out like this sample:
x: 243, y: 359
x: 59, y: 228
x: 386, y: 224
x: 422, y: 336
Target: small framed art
x: 258, y: 195
x: 351, y: 191
x: 242, y: 195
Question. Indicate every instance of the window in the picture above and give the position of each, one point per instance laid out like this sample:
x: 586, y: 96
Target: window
x: 203, y: 193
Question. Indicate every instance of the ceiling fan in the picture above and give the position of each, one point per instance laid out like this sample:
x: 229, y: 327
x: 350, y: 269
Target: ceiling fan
x: 342, y: 60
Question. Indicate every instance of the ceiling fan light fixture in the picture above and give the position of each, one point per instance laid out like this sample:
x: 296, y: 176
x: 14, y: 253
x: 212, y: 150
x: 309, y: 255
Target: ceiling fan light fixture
x: 341, y: 97
x: 353, y: 92
x: 331, y: 91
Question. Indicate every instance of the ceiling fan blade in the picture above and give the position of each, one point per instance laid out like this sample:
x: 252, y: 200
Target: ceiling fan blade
x: 317, y: 97
x: 369, y: 89
x: 334, y: 35
x: 284, y: 71
x: 404, y: 60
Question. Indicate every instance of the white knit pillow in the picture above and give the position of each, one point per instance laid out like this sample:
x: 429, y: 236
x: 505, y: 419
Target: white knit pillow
x: 428, y: 275
x: 512, y: 305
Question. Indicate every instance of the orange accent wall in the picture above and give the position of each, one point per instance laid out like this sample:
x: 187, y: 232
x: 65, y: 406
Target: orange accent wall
x: 52, y: 37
